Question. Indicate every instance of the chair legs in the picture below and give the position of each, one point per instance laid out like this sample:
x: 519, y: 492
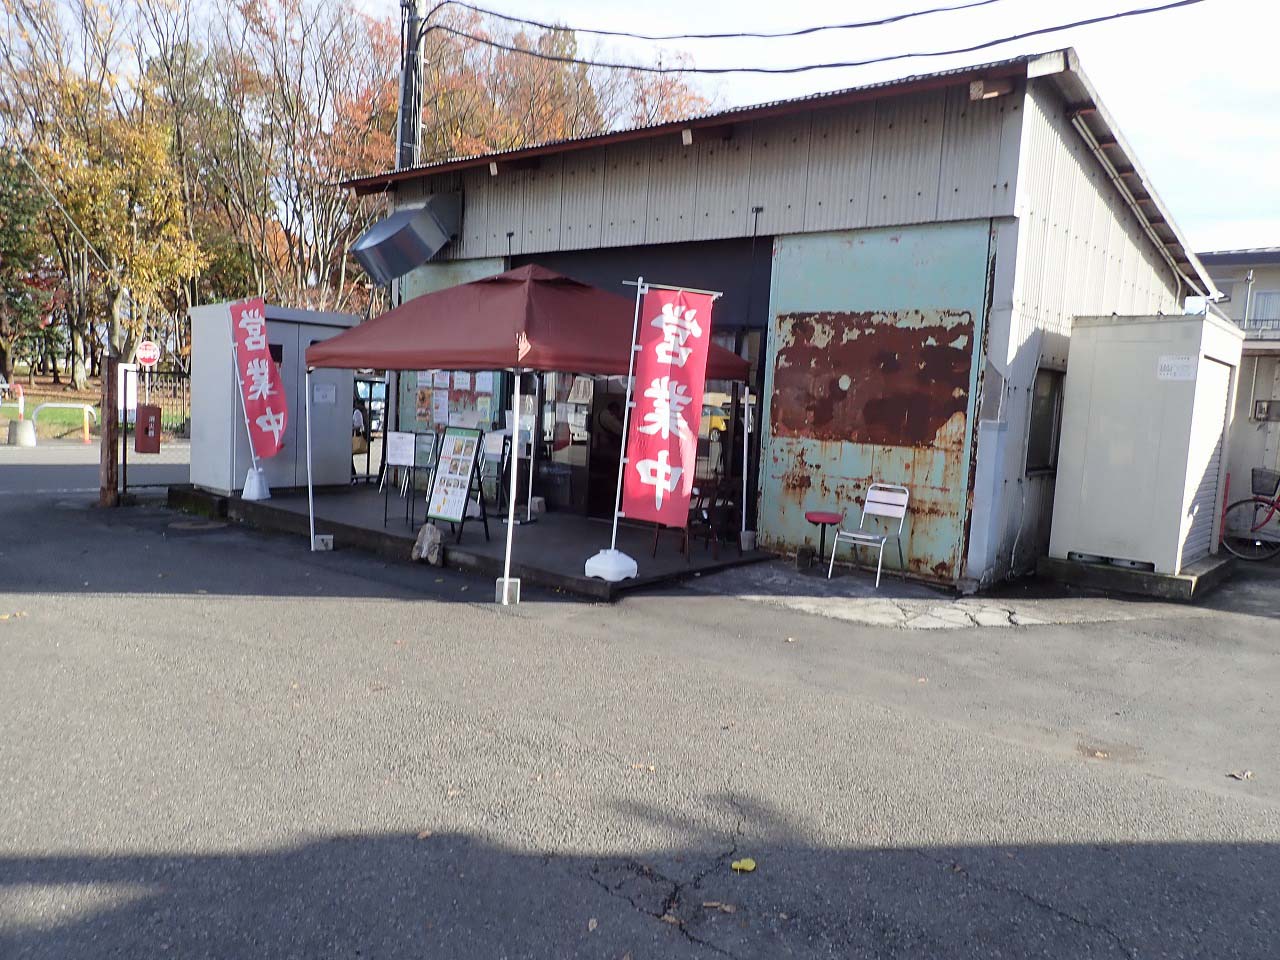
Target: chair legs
x: 831, y: 565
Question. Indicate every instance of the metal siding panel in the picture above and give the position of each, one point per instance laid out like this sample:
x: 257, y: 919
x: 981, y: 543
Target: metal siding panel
x: 971, y: 152
x: 506, y: 214
x: 840, y: 149
x: 626, y: 194
x: 542, y: 203
x: 724, y: 175
x: 476, y: 201
x: 905, y: 160
x: 410, y: 192
x: 1208, y: 420
x: 780, y: 162
x: 868, y: 379
x: 1054, y: 268
x: 673, y: 189
x: 583, y: 187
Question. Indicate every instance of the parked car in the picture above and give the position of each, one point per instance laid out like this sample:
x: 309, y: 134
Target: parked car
x: 715, y: 421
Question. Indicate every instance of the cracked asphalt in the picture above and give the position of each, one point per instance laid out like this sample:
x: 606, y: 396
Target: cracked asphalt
x: 218, y: 745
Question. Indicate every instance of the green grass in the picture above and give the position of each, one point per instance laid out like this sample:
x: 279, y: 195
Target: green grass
x: 52, y: 423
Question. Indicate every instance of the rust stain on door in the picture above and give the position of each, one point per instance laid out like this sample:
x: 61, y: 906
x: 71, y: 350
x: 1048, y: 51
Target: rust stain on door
x: 892, y: 378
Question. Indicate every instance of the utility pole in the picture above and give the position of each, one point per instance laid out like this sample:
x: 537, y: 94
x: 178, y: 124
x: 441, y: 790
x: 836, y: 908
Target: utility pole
x: 108, y: 465
x: 409, y: 144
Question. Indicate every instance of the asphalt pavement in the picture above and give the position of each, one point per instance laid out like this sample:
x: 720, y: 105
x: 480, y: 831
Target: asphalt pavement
x: 216, y: 744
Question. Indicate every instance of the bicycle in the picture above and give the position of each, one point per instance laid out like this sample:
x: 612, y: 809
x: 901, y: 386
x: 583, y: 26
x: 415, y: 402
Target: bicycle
x: 1251, y: 528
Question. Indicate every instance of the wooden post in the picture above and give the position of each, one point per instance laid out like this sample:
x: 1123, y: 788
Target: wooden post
x: 108, y: 478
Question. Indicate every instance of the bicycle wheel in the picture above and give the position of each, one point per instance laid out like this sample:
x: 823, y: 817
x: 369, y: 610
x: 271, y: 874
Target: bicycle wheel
x: 1251, y: 529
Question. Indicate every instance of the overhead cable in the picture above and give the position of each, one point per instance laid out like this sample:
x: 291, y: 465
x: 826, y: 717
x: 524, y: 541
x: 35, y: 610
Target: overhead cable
x: 803, y: 31
x: 804, y: 68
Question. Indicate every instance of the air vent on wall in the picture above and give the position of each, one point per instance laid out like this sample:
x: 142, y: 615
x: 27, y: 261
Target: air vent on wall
x: 408, y: 238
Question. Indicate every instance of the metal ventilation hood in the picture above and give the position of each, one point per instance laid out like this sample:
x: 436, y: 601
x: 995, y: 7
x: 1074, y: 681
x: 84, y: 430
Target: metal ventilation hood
x: 408, y: 238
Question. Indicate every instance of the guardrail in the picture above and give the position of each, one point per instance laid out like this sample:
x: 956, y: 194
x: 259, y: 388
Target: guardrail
x: 86, y: 408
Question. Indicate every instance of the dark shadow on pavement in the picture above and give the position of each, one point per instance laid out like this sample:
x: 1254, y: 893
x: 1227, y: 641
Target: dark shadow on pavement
x: 446, y: 894
x: 66, y: 544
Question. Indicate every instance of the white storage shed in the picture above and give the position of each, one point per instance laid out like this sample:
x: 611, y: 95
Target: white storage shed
x: 220, y: 455
x: 1146, y: 414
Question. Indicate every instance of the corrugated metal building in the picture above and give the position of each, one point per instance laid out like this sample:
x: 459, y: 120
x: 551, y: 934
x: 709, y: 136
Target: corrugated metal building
x: 902, y: 261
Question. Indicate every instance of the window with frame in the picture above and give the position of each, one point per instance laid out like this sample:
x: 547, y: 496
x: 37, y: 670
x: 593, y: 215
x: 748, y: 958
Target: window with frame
x: 1046, y: 421
x: 1264, y: 306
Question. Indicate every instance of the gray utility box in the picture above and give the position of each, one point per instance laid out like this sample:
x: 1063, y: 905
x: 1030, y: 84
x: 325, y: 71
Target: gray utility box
x: 1145, y: 420
x: 219, y: 445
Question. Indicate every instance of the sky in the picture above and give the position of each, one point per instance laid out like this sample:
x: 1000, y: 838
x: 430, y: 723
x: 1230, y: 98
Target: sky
x: 1195, y: 90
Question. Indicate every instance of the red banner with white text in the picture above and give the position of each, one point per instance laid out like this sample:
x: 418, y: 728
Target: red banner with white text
x: 260, y: 386
x: 662, y: 442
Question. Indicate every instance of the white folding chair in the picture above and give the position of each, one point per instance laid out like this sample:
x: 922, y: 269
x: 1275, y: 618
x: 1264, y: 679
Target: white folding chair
x: 883, y: 500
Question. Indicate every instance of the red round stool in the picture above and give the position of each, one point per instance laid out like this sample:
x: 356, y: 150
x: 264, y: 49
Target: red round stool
x: 823, y: 519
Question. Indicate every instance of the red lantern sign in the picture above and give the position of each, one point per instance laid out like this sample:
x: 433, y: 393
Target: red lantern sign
x: 266, y: 411
x: 662, y: 441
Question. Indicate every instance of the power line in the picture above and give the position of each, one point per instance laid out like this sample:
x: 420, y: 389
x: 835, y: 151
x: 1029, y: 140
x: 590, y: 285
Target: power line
x: 641, y: 68
x: 804, y: 31
x: 17, y: 148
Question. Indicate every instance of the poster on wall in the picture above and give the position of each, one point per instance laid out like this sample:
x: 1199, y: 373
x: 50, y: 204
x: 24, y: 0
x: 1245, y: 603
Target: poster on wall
x: 423, y: 405
x: 662, y: 441
x: 439, y: 408
x: 455, y: 467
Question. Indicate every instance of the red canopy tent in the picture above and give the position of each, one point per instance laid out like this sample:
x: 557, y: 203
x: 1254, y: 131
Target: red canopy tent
x: 530, y: 317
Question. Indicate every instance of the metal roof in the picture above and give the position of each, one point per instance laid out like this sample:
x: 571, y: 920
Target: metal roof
x: 1061, y: 66
x: 1014, y: 66
x: 1244, y: 257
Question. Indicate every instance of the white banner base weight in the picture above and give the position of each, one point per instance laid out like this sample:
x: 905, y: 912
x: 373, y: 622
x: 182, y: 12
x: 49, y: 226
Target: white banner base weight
x: 506, y: 590
x: 322, y: 543
x: 611, y: 565
x: 255, y: 485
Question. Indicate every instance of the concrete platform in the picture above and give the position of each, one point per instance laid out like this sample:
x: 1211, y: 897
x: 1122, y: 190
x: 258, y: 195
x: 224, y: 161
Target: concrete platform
x: 548, y: 553
x: 1191, y: 584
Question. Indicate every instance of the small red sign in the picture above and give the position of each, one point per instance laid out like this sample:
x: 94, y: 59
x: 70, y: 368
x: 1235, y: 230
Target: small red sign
x: 146, y: 433
x: 148, y: 353
x: 662, y: 442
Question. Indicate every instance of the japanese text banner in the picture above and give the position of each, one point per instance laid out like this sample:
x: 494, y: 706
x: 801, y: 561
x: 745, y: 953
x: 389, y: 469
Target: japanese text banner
x: 265, y: 408
x: 662, y: 441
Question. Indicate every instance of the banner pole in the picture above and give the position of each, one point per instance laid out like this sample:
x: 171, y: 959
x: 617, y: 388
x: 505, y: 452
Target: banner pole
x: 511, y: 494
x: 248, y: 431
x: 311, y: 497
x: 626, y: 411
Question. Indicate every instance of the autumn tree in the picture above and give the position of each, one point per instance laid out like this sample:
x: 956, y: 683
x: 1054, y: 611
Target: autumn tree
x: 24, y: 288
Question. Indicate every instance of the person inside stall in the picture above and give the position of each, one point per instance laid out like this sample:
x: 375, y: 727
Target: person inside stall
x: 611, y: 424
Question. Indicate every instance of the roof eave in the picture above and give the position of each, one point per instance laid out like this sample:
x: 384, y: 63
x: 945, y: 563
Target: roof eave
x: 1085, y: 109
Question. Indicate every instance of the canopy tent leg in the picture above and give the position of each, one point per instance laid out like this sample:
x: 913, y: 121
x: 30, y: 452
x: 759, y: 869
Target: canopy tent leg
x: 325, y: 543
x: 533, y: 445
x: 508, y: 591
x: 746, y: 447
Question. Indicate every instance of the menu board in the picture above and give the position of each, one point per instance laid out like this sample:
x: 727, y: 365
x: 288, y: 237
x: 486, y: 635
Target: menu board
x: 455, y: 466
